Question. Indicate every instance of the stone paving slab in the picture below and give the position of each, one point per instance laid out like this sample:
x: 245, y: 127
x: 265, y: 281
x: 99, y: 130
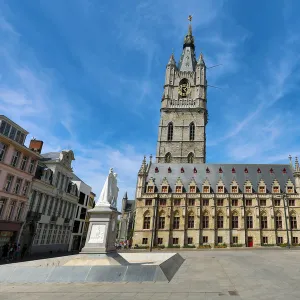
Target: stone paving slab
x: 230, y: 275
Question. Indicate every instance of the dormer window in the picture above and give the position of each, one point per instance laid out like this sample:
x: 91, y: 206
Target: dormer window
x: 164, y: 189
x: 290, y: 189
x: 156, y: 170
x: 178, y: 189
x: 169, y: 170
x: 234, y: 189
x: 195, y: 170
x: 206, y: 189
x: 248, y: 189
x: 275, y: 189
x: 182, y: 170
x: 284, y: 171
x: 262, y: 189
x: 192, y: 189
x: 233, y: 170
x: 220, y: 189
x: 220, y: 170
x: 150, y: 189
x: 207, y: 170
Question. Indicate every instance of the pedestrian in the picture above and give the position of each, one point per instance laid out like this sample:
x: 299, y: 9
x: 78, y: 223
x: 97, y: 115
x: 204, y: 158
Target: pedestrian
x: 4, y: 251
x: 17, y: 252
x: 23, y: 251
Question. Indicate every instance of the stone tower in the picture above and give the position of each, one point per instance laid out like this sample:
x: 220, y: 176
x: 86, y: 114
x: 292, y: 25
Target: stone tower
x: 181, y: 135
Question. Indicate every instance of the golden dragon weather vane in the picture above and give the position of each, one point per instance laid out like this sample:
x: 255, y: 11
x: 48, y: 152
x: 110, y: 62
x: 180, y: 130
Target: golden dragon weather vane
x: 190, y: 18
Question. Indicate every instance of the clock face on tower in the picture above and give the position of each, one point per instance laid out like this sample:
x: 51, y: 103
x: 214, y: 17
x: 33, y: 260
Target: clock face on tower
x: 184, y: 89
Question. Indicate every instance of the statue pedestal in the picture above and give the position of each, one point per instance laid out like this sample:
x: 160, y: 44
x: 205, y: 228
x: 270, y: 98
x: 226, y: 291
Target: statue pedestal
x: 102, y: 232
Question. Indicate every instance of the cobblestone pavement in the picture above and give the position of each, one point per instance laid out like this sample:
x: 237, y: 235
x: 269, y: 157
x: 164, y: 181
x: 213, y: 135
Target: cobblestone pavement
x: 222, y: 275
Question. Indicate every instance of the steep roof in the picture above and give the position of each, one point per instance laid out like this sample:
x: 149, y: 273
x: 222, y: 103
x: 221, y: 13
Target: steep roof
x: 229, y: 172
x: 50, y: 156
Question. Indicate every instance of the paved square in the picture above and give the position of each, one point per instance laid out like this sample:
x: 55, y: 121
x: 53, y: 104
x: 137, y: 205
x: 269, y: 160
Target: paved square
x: 215, y: 274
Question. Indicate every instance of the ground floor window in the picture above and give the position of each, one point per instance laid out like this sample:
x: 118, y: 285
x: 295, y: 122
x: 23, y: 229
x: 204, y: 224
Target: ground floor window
x: 265, y: 240
x: 190, y: 240
x: 175, y: 241
x: 279, y: 240
x: 160, y: 241
x: 205, y: 239
x: 235, y: 239
x: 295, y: 240
x: 220, y: 239
x: 37, y: 234
x: 145, y: 241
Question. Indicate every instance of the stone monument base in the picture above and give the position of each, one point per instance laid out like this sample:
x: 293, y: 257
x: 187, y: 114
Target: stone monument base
x: 101, y: 236
x: 123, y: 267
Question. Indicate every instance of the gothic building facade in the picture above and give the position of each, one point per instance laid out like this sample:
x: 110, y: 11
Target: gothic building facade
x: 181, y: 200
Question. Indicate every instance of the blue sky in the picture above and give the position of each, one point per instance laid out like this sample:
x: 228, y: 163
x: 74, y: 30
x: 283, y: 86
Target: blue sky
x: 89, y: 76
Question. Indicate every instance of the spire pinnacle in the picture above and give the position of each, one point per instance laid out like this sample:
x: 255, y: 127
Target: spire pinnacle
x: 143, y: 166
x: 189, y: 39
x: 201, y: 60
x: 172, y: 60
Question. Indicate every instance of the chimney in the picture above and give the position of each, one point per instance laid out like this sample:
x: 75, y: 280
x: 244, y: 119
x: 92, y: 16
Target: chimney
x: 36, y: 145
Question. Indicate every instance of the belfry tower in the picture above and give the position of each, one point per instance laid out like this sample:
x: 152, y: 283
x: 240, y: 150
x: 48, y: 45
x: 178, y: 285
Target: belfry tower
x: 181, y: 134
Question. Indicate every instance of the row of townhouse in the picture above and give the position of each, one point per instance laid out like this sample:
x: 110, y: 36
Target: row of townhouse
x: 40, y: 196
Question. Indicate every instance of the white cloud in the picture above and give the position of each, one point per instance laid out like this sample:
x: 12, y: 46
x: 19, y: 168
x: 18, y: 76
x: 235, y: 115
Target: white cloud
x: 27, y: 99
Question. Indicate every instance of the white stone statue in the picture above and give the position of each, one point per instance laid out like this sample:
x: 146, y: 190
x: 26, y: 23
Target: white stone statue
x: 115, y: 191
x: 109, y: 193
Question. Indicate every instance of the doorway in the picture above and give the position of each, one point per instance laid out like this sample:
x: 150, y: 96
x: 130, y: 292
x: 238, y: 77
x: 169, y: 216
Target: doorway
x: 250, y: 241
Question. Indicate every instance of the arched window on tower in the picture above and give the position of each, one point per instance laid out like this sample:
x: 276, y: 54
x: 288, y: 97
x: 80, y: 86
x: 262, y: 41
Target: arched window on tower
x: 168, y: 157
x: 170, y: 131
x: 192, y: 131
x: 191, y: 158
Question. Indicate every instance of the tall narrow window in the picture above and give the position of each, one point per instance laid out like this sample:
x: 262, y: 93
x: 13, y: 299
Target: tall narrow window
x: 24, y: 163
x: 15, y: 158
x: 31, y: 166
x: 3, y: 148
x: 264, y: 222
x: 8, y: 183
x: 176, y: 221
x: 191, y: 158
x: 2, y: 205
x: 235, y: 222
x: 249, y: 222
x: 168, y: 157
x: 161, y: 222
x: 278, y: 222
x: 293, y: 221
x: 146, y: 224
x: 170, y: 131
x: 220, y: 221
x: 191, y: 221
x: 192, y: 131
x: 205, y: 221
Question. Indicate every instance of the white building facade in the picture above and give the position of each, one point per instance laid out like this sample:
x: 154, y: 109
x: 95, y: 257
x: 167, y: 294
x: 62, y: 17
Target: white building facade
x: 52, y: 205
x: 78, y: 233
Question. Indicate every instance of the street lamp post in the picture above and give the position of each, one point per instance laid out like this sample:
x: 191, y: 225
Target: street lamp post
x: 286, y: 221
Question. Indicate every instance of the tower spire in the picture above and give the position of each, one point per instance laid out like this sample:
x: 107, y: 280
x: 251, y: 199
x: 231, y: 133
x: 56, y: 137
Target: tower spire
x: 188, y: 59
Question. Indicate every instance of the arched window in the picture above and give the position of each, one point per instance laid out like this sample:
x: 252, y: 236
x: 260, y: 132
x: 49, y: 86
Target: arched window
x: 192, y: 131
x: 168, y: 157
x: 170, y: 131
x: 183, y: 88
x: 191, y: 158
